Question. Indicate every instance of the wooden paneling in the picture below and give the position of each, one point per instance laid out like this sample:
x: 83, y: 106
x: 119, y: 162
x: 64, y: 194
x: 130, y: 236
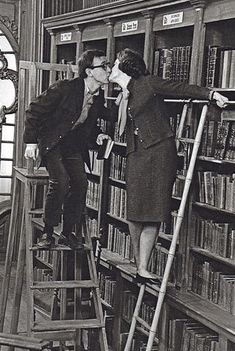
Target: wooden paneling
x: 93, y: 3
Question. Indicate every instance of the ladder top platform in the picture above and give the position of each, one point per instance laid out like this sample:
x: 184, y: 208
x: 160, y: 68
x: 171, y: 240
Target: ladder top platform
x: 40, y: 173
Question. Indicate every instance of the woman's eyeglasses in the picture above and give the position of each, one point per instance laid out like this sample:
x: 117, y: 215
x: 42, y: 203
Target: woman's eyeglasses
x: 104, y: 66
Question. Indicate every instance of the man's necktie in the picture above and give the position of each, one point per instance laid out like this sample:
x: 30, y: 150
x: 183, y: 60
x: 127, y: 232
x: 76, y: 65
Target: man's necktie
x: 122, y: 101
x: 87, y: 103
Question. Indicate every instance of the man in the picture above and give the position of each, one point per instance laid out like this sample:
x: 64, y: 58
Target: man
x: 61, y: 125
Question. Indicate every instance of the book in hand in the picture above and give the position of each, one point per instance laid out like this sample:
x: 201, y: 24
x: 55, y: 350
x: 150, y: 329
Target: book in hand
x: 105, y: 149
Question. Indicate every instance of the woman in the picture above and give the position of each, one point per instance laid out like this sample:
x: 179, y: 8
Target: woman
x: 151, y: 150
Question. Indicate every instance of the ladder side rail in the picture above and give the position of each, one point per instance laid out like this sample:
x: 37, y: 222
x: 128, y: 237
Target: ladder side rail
x: 19, y: 281
x: 9, y: 255
x: 172, y: 250
x: 134, y: 318
x: 179, y: 132
x: 29, y: 256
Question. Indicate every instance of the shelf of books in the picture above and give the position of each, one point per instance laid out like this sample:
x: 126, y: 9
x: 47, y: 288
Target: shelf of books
x: 199, y: 310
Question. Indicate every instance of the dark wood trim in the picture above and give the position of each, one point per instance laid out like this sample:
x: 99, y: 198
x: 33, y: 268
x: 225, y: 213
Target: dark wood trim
x: 99, y: 13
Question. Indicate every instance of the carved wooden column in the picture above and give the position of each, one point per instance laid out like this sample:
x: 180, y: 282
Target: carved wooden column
x: 79, y: 46
x: 53, y: 54
x: 149, y: 39
x: 198, y: 42
x: 110, y: 48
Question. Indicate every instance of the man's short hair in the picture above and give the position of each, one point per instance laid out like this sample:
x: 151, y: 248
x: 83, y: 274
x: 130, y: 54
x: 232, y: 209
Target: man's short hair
x: 86, y: 61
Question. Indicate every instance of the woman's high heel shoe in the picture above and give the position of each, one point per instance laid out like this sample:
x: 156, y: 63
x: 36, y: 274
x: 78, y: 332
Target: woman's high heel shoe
x: 143, y: 280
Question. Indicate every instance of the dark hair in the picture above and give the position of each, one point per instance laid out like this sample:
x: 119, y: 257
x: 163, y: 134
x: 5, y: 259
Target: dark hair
x: 86, y: 61
x: 131, y: 63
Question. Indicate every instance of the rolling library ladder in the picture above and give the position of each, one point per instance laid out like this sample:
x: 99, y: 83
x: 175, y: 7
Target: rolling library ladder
x: 67, y: 325
x: 151, y: 330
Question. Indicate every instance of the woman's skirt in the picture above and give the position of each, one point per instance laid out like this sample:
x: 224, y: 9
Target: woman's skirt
x: 150, y: 175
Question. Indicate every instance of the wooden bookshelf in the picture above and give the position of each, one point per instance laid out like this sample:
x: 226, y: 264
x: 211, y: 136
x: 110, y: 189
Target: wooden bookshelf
x: 204, y: 24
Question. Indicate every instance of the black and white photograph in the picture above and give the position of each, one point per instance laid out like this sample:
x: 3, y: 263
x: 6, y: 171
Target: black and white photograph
x: 117, y: 175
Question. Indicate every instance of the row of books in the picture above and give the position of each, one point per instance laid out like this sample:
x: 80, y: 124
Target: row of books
x: 42, y: 275
x: 119, y: 241
x: 147, y: 308
x: 217, y: 190
x: 95, y: 164
x: 217, y: 237
x: 139, y: 342
x: 157, y: 262
x: 117, y: 137
x: 186, y: 334
x: 220, y: 67
x: 218, y: 139
x: 117, y: 166
x: 92, y: 196
x: 45, y: 255
x: 214, y: 285
x: 117, y: 204
x: 107, y: 287
x: 173, y: 63
x: 178, y: 186
x: 92, y: 227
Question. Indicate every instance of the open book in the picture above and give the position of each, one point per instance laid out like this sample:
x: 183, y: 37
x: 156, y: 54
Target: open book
x: 105, y: 149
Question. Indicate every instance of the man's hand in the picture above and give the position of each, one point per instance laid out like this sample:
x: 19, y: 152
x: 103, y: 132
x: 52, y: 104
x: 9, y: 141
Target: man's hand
x: 220, y: 100
x: 101, y: 138
x: 31, y: 151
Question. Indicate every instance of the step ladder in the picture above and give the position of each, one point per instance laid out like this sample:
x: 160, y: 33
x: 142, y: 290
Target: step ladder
x: 61, y: 327
x: 23, y: 342
x: 151, y: 330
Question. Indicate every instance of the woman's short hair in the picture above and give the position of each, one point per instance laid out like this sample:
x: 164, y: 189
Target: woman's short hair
x: 86, y: 61
x: 131, y: 63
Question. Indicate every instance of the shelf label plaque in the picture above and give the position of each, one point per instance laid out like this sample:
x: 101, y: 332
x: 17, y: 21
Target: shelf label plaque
x: 172, y: 18
x: 66, y: 36
x: 129, y: 26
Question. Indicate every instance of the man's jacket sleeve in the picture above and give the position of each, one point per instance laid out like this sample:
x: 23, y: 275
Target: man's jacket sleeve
x: 39, y: 110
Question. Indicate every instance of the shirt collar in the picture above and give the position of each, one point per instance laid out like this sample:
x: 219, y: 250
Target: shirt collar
x: 86, y: 89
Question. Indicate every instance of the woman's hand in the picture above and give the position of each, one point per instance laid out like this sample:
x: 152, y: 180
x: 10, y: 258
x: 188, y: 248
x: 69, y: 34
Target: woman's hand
x: 101, y: 138
x: 220, y: 100
x: 31, y: 151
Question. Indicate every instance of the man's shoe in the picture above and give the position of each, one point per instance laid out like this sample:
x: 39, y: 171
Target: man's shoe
x: 70, y: 240
x: 45, y: 241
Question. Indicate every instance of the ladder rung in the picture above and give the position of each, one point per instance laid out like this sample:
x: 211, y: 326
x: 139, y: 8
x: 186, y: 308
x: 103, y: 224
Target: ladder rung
x: 67, y: 284
x: 143, y: 323
x: 187, y: 140
x: 60, y: 248
x: 22, y: 341
x: 37, y: 211
x: 68, y: 324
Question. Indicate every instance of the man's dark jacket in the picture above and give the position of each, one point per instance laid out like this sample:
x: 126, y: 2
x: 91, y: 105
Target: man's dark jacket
x: 51, y: 116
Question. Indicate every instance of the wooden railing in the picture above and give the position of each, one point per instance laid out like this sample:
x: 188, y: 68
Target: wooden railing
x: 93, y: 3
x: 59, y: 7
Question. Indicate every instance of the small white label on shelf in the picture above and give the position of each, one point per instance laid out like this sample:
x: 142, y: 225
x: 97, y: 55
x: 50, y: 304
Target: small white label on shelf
x: 66, y: 36
x: 172, y: 18
x: 129, y: 26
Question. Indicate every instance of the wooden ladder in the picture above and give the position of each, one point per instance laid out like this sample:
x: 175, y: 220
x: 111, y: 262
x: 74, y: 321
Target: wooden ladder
x: 151, y: 330
x: 61, y: 326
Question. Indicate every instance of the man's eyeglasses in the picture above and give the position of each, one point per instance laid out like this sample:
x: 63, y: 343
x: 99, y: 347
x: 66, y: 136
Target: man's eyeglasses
x: 104, y: 66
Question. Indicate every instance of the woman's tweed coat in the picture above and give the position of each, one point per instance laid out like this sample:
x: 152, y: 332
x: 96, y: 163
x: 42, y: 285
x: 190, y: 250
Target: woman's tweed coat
x: 151, y: 156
